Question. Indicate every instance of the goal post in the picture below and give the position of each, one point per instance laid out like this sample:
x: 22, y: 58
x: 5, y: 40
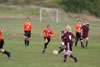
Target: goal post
x: 51, y: 17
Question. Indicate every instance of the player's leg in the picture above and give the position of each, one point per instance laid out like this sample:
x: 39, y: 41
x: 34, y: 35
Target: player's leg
x: 62, y: 47
x: 77, y: 37
x: 86, y: 42
x: 25, y: 38
x: 81, y: 40
x: 47, y: 40
x: 69, y: 52
x: 28, y: 41
x: 65, y: 56
x: 28, y: 37
x: 82, y: 43
x: 3, y: 50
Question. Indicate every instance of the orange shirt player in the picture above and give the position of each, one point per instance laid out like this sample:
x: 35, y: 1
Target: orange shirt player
x: 48, y: 33
x: 1, y: 46
x: 78, y: 32
x: 27, y: 28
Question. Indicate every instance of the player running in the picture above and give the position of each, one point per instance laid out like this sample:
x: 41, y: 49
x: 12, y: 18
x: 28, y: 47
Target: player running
x: 85, y: 32
x: 78, y: 32
x: 62, y: 41
x: 27, y: 28
x: 69, y: 39
x: 1, y: 45
x: 48, y: 33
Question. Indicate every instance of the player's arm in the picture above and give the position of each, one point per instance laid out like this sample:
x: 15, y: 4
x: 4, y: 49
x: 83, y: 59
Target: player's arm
x: 24, y: 28
x: 52, y: 34
x: 89, y: 30
x: 31, y: 29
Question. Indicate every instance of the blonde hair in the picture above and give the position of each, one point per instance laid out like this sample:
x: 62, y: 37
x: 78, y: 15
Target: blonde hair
x: 68, y: 28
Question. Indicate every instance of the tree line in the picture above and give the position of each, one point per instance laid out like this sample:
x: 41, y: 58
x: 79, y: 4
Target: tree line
x: 81, y: 6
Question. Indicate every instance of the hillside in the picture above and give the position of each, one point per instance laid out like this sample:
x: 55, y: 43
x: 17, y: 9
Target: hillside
x: 33, y: 12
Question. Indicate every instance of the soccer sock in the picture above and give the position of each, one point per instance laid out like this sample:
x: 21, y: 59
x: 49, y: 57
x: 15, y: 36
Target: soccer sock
x: 82, y: 45
x: 65, y: 57
x: 28, y: 43
x: 6, y: 52
x: 76, y: 42
x: 72, y: 56
x: 45, y: 45
x: 86, y: 44
x: 61, y: 50
x: 25, y: 41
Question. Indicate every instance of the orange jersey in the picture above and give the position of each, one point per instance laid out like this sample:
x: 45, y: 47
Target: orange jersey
x: 1, y: 38
x: 47, y: 33
x: 78, y: 28
x: 27, y: 26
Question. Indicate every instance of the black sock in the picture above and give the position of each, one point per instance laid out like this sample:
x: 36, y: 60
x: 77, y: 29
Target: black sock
x: 86, y: 44
x: 45, y: 45
x: 6, y: 52
x: 71, y: 56
x: 61, y: 50
x: 76, y: 42
x: 65, y: 57
x: 28, y: 43
x: 25, y: 41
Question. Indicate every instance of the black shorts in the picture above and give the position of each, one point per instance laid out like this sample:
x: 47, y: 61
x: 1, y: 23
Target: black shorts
x: 1, y: 44
x: 27, y: 33
x: 78, y: 35
x: 47, y: 39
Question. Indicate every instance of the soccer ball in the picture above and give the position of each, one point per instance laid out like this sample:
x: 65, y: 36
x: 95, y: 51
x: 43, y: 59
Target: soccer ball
x: 55, y: 52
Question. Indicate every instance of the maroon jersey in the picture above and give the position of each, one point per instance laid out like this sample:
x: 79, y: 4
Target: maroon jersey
x: 85, y: 30
x: 68, y: 40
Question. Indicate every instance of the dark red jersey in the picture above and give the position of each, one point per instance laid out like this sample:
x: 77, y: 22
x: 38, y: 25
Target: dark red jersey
x: 68, y: 36
x: 85, y: 30
x: 68, y: 40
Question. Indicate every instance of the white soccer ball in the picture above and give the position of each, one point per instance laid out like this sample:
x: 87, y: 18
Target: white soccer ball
x: 55, y: 52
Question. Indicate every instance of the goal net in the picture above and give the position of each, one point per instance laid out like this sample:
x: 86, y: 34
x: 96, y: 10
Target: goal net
x: 49, y: 14
x: 53, y: 15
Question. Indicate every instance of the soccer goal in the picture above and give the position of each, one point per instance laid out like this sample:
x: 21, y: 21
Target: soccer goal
x: 50, y: 14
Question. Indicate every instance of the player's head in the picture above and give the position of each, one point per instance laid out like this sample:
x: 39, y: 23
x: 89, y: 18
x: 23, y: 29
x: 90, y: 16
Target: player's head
x: 68, y: 28
x: 48, y: 26
x: 85, y: 20
x: 79, y: 21
x: 27, y: 19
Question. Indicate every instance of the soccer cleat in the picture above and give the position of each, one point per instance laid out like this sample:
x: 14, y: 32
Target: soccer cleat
x: 75, y: 59
x: 60, y: 47
x: 64, y: 61
x: 43, y: 51
x: 82, y: 46
x: 9, y: 54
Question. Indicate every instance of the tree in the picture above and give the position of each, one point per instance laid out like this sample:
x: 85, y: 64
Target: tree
x: 78, y: 6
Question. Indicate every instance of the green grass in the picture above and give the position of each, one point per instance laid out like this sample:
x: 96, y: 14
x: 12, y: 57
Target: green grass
x: 32, y: 57
x: 14, y: 11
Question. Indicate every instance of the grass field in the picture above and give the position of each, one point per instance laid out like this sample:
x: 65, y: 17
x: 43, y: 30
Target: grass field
x: 31, y: 56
